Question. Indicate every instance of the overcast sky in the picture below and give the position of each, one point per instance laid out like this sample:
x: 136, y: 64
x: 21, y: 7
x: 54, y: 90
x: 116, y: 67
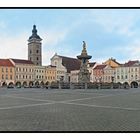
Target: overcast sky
x: 108, y: 33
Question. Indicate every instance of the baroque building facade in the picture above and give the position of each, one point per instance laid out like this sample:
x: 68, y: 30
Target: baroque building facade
x: 7, y: 72
x: 24, y: 72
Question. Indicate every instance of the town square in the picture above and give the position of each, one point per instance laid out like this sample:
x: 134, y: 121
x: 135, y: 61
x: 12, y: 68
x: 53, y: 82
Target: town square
x: 69, y: 70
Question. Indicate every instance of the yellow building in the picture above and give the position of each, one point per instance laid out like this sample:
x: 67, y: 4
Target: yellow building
x: 109, y: 71
x: 7, y: 72
x: 112, y: 62
x: 50, y: 74
x: 24, y: 72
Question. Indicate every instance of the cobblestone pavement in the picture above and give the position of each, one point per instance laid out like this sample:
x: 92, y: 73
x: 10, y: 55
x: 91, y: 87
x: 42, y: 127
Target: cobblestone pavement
x: 69, y: 110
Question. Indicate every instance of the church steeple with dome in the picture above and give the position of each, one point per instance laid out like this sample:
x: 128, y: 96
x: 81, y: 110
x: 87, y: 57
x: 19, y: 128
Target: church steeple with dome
x: 35, y: 47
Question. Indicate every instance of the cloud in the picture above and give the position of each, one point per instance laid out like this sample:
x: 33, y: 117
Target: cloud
x: 14, y: 46
x: 54, y: 37
x: 115, y: 21
x: 3, y: 25
x: 130, y: 51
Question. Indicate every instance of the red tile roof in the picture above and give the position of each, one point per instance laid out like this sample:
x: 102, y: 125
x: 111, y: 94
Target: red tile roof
x: 22, y: 61
x: 70, y: 63
x: 130, y: 63
x: 100, y: 66
x: 6, y: 63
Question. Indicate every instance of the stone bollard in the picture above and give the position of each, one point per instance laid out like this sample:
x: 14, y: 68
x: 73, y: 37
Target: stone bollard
x: 85, y: 85
x: 60, y: 85
x: 99, y: 86
x: 49, y: 86
x: 71, y: 86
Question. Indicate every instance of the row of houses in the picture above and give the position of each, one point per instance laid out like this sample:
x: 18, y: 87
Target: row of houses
x: 25, y: 72
x: 112, y: 71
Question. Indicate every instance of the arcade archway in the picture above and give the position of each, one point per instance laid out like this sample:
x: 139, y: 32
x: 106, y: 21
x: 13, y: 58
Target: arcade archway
x: 134, y: 84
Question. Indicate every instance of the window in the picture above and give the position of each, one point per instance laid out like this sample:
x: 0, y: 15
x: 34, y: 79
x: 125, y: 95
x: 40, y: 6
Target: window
x: 135, y: 69
x: 122, y: 77
x: 6, y: 76
x: 6, y: 69
x: 37, y: 58
x: 10, y: 77
x: 2, y: 76
x: 125, y: 76
x: 10, y: 69
x: 118, y: 77
x: 37, y: 51
x: 30, y: 51
x: 2, y: 70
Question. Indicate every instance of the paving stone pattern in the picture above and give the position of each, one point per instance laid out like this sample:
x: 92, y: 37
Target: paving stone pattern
x: 69, y: 110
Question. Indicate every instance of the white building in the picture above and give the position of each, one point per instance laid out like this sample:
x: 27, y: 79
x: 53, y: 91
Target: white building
x: 63, y: 66
x: 39, y: 74
x: 128, y: 73
x: 109, y: 74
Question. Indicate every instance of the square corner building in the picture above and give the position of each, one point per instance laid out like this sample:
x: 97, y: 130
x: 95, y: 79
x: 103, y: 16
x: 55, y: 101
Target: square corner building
x: 35, y: 48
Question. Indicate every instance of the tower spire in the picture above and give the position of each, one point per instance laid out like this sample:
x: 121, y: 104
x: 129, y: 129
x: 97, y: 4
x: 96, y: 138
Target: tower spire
x: 34, y: 34
x: 35, y: 47
x: 34, y: 31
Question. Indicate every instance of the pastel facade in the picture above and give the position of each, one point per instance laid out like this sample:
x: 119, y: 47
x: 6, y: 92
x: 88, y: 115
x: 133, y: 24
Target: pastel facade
x: 98, y: 72
x: 39, y: 75
x: 91, y: 67
x: 128, y: 73
x: 7, y: 72
x: 74, y: 76
x: 109, y: 74
x: 50, y: 74
x: 112, y: 63
x: 64, y: 65
x: 24, y: 72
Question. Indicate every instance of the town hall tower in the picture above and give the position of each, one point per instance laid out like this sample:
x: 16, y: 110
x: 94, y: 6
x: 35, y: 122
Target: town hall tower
x: 35, y: 47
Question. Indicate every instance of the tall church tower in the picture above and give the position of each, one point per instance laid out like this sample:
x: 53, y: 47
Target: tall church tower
x: 35, y: 47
